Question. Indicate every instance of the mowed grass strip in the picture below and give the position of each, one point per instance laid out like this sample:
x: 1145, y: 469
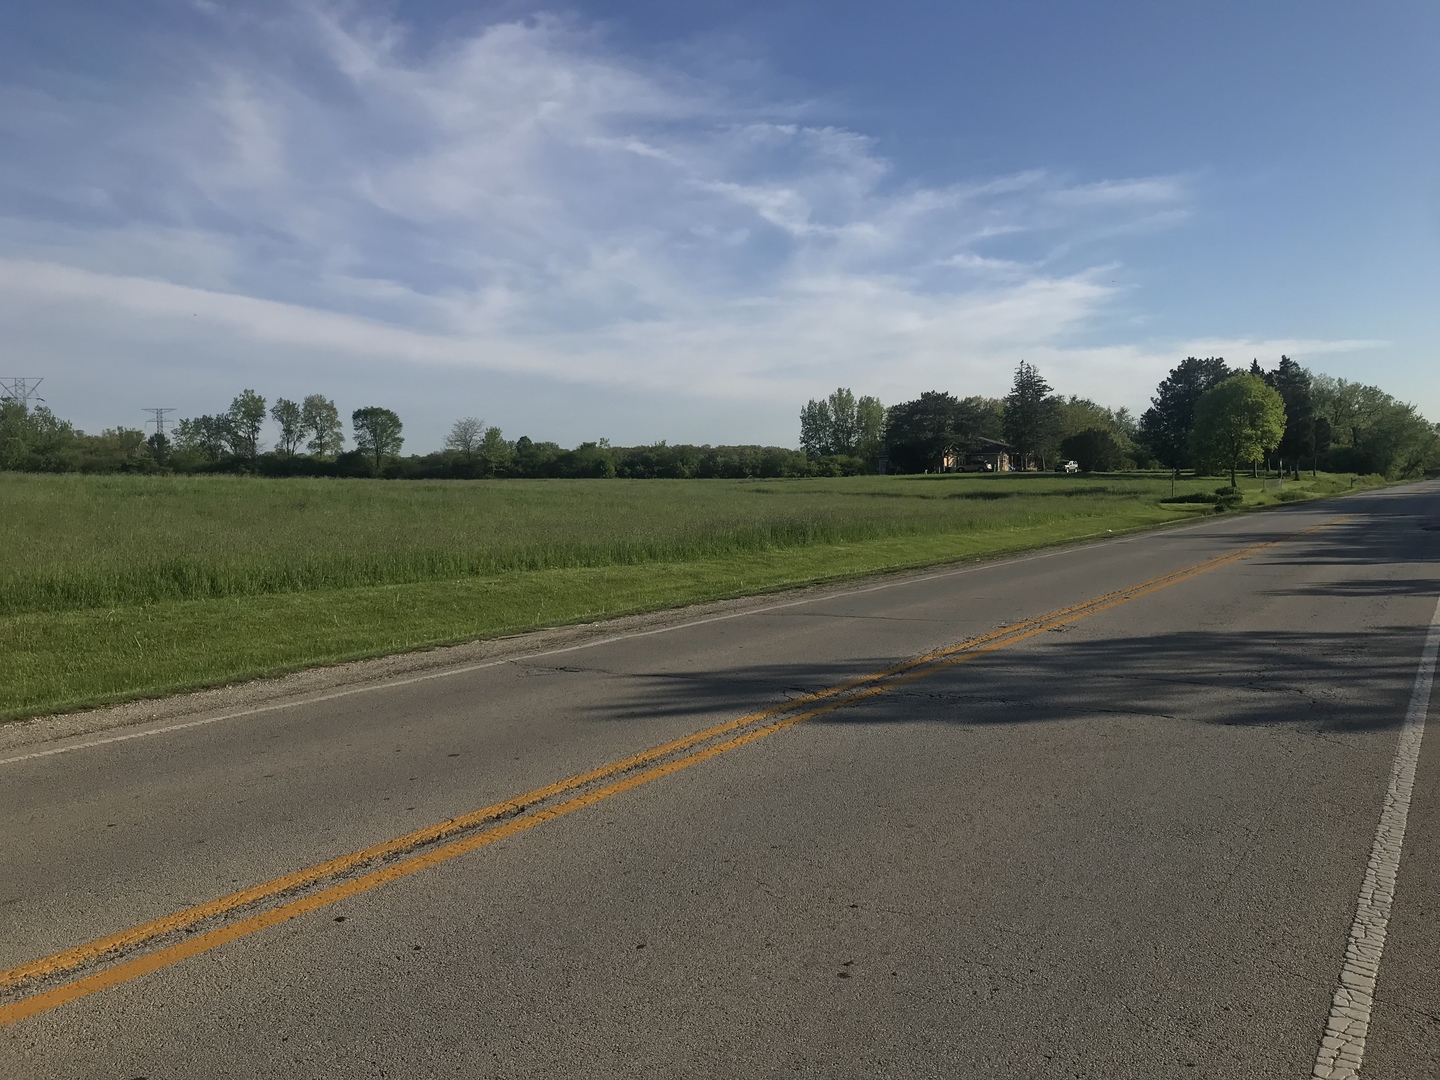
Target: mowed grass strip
x: 289, y: 574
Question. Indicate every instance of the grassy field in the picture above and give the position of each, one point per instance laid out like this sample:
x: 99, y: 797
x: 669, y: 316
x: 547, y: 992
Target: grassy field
x: 116, y: 587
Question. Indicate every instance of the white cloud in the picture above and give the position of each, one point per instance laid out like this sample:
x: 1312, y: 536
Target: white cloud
x: 524, y: 200
x: 1151, y: 191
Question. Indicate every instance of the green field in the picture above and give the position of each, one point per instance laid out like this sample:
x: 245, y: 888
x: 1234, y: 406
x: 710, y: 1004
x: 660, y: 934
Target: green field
x: 117, y: 587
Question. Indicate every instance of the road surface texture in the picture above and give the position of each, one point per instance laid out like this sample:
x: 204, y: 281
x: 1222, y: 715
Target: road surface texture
x: 1154, y: 807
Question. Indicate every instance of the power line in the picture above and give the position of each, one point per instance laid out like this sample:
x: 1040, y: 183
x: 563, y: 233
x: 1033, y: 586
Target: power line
x: 20, y: 389
x: 158, y: 419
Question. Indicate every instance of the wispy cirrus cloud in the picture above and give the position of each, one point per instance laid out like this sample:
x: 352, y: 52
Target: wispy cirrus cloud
x: 523, y: 198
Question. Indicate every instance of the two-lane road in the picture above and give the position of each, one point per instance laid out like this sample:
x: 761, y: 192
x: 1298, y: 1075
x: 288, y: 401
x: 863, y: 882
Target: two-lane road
x: 1109, y: 811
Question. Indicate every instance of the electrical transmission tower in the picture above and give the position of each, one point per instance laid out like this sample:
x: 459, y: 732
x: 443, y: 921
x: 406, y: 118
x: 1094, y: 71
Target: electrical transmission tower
x: 157, y: 417
x: 20, y: 390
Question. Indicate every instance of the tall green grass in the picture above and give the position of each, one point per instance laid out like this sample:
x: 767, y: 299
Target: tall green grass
x: 116, y: 587
x: 75, y: 542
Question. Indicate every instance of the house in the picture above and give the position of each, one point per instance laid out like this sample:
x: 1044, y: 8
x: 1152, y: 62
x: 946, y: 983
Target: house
x: 977, y: 455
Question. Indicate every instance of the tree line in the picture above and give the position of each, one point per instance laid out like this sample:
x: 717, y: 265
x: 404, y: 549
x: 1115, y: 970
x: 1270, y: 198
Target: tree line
x: 1286, y: 417
x: 310, y: 436
x: 1323, y: 422
x: 1204, y: 415
x: 311, y: 441
x: 1034, y: 424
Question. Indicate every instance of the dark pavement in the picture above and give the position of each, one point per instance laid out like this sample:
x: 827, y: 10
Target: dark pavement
x: 1129, y: 845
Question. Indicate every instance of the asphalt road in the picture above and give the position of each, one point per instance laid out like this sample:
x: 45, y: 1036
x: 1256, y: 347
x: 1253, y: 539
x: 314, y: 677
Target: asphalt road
x: 1128, y: 841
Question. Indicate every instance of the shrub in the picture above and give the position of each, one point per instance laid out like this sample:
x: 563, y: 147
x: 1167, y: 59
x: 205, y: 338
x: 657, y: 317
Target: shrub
x: 1193, y: 497
x: 1223, y: 497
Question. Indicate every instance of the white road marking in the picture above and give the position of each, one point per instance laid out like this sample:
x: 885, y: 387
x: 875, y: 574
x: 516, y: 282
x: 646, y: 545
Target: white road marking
x: 520, y: 658
x: 1342, y: 1048
x: 446, y: 673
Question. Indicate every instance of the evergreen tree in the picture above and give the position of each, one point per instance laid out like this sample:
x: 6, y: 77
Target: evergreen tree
x: 1031, y: 419
x: 1293, y: 384
x: 1166, y: 426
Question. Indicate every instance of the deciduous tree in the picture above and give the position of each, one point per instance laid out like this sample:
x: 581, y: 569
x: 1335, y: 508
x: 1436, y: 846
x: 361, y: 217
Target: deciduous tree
x: 464, y: 438
x: 979, y: 418
x: 869, y: 428
x: 842, y: 421
x: 815, y: 428
x: 321, y: 422
x: 35, y: 439
x: 1240, y: 419
x: 494, y: 452
x: 1371, y: 431
x: 917, y: 432
x: 1166, y: 427
x: 247, y: 417
x: 208, y: 438
x: 841, y: 424
x: 290, y: 417
x: 377, y: 433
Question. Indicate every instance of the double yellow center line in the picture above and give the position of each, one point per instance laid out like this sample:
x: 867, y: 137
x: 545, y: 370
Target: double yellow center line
x: 51, y: 981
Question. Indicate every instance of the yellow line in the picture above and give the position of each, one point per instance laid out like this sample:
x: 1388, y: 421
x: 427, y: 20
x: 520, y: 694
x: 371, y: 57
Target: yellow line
x: 831, y: 698
x: 180, y: 920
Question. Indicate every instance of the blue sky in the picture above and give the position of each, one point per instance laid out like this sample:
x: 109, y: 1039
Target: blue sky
x: 653, y: 220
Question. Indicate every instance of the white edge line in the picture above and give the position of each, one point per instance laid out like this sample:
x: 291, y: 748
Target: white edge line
x: 499, y: 661
x: 523, y: 657
x: 1342, y: 1047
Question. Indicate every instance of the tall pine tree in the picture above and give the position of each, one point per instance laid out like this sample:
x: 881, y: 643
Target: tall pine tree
x: 1300, y: 440
x: 1031, y: 419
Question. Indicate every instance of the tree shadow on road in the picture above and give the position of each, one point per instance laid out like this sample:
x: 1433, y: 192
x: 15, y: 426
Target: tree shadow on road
x: 1377, y: 528
x: 1330, y: 681
x: 1327, y: 682
x: 1361, y: 588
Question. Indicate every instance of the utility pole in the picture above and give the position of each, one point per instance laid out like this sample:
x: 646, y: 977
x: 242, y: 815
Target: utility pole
x: 157, y: 418
x: 20, y: 389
